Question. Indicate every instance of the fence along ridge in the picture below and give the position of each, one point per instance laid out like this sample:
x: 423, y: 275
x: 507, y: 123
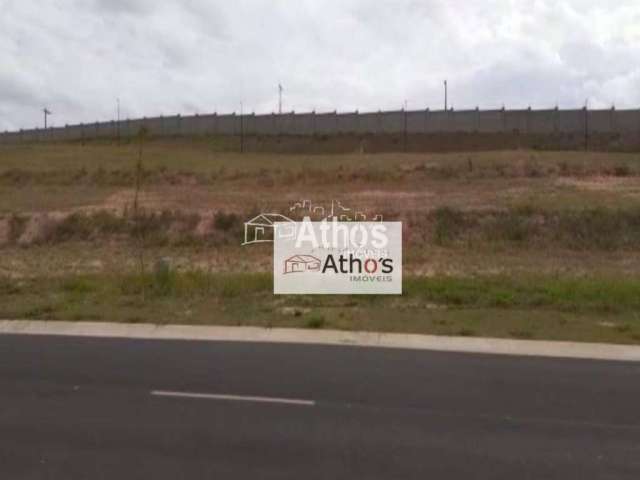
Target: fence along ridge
x: 525, y: 121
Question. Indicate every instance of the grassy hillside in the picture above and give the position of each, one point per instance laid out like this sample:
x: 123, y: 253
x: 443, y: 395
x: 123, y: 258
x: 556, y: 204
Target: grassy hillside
x: 498, y: 226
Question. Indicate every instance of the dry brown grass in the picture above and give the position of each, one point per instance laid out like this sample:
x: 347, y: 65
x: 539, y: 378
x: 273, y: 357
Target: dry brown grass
x: 46, y: 184
x: 194, y: 176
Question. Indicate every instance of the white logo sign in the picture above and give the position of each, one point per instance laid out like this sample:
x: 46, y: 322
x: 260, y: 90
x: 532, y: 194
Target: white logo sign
x: 337, y: 257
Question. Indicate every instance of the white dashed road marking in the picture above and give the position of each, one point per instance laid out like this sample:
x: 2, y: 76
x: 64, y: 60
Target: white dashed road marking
x: 236, y: 398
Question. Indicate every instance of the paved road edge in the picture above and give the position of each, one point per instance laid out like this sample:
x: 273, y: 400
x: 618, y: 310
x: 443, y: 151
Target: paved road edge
x: 597, y: 351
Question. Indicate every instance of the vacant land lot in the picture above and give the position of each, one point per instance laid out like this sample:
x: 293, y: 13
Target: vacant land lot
x: 514, y: 243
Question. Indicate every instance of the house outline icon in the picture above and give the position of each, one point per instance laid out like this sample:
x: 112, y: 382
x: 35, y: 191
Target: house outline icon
x: 301, y: 263
x: 257, y: 229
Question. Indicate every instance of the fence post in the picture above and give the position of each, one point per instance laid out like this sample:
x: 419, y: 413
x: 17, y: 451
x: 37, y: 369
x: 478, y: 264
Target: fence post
x: 504, y: 120
x: 586, y: 128
x: 196, y: 127
x: 638, y: 127
x: 404, y: 127
x: 612, y: 120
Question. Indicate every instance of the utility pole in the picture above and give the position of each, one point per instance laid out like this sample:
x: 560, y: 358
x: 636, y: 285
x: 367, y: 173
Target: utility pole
x: 445, y: 95
x: 46, y: 112
x: 279, y: 99
x: 241, y: 128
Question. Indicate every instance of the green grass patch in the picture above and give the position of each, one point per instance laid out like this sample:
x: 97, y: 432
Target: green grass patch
x: 588, y: 309
x: 566, y: 294
x: 578, y: 229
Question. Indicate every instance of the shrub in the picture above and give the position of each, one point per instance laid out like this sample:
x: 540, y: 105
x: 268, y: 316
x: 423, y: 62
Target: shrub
x: 598, y: 228
x: 532, y: 169
x: 510, y: 227
x: 16, y: 176
x: 108, y: 223
x: 17, y: 226
x: 449, y: 223
x: 75, y: 226
x: 164, y: 278
x: 82, y: 226
x: 622, y: 171
x: 316, y: 321
x: 78, y: 285
x: 466, y: 332
x: 225, y: 221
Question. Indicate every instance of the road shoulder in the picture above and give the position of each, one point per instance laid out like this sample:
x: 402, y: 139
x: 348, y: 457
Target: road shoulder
x: 597, y: 351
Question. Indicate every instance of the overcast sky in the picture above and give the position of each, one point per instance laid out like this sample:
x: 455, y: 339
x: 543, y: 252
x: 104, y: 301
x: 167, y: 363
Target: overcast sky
x: 200, y: 56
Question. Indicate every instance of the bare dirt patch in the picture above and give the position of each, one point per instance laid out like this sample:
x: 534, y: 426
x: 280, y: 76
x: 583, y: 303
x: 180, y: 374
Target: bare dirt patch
x: 600, y: 183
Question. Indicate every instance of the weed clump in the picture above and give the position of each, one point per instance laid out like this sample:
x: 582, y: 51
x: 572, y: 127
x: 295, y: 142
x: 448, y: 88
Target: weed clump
x: 449, y: 223
x: 316, y: 321
x: 17, y: 226
x: 225, y: 221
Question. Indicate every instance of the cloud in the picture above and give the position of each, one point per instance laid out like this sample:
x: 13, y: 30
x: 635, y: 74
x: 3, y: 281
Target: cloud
x: 119, y: 7
x: 188, y: 56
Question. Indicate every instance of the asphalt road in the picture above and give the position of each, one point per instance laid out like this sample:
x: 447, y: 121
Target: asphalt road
x: 84, y: 408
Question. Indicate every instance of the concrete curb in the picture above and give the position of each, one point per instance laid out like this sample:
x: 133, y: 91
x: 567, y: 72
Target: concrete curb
x: 597, y: 351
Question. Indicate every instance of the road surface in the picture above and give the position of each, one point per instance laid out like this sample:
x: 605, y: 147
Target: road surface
x: 89, y: 408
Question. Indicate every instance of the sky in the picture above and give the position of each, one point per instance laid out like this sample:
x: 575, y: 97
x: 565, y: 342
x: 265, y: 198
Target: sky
x: 77, y: 57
